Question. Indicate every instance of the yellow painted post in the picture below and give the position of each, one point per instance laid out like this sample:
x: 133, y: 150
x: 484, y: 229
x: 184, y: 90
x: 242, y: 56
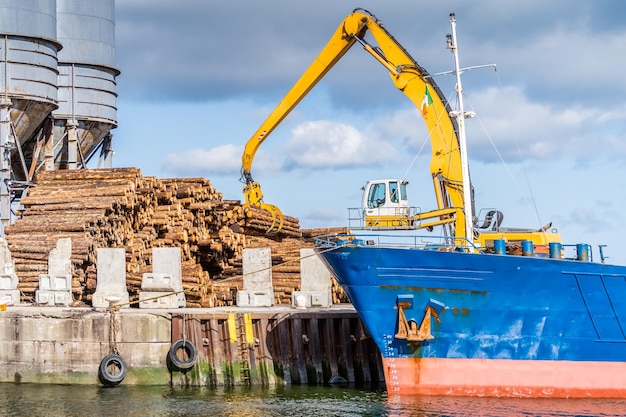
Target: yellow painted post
x: 249, y: 331
x: 232, y: 328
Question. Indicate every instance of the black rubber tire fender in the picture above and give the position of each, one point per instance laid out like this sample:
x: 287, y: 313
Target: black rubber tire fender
x: 106, y: 376
x: 192, y: 354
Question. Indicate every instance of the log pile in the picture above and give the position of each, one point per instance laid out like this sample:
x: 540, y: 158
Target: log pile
x: 120, y: 208
x: 285, y: 268
x: 258, y: 222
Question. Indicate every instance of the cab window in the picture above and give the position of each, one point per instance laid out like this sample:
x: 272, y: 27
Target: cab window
x: 376, y: 197
x: 403, y: 191
x: 393, y: 192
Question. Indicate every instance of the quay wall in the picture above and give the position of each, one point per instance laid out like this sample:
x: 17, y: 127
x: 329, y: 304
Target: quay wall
x: 235, y: 346
x: 66, y: 345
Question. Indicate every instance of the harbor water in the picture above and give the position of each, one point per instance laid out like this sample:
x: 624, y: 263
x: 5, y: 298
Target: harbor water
x: 68, y: 400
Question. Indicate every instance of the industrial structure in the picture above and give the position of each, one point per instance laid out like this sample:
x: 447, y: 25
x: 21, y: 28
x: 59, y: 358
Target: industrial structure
x: 57, y: 90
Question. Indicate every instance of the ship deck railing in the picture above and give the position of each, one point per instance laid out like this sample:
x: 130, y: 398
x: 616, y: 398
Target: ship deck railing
x: 397, y: 240
x: 403, y: 218
x: 403, y: 239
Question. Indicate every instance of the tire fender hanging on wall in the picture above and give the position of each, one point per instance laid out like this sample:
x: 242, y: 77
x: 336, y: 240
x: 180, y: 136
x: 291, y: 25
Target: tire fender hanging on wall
x: 112, y: 370
x: 191, y: 355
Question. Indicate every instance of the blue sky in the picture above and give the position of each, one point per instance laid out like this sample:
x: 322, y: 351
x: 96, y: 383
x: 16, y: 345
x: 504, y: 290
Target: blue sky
x: 199, y: 77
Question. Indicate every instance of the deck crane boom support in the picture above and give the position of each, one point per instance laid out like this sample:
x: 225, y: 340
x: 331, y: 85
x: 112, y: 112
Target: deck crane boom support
x: 410, y: 78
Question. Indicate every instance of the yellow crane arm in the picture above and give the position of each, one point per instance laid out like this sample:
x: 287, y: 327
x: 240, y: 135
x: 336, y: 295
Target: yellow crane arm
x: 408, y: 76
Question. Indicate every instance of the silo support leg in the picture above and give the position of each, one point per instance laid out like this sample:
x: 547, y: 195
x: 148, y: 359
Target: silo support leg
x: 6, y: 142
x: 72, y: 145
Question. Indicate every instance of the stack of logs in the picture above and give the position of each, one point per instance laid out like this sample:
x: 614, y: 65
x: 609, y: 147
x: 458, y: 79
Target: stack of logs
x: 120, y: 208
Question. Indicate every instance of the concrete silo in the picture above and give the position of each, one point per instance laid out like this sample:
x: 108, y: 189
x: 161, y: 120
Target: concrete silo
x: 87, y: 88
x: 28, y: 88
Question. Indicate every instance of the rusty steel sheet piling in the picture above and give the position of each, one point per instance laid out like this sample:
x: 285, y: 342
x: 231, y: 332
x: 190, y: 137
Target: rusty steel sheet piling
x: 266, y: 348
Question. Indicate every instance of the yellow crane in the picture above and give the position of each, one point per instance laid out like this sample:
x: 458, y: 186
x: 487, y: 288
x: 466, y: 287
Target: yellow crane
x: 381, y: 206
x: 410, y: 78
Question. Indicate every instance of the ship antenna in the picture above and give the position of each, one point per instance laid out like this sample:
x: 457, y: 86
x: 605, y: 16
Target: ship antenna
x: 461, y: 115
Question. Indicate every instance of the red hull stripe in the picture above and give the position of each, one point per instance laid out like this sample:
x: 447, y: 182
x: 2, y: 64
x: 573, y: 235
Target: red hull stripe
x: 505, y: 378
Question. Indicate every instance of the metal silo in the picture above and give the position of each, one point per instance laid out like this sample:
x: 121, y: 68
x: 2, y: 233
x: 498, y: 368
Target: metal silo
x: 87, y: 88
x: 28, y: 86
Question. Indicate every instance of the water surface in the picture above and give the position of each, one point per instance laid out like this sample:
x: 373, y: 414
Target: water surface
x: 68, y: 400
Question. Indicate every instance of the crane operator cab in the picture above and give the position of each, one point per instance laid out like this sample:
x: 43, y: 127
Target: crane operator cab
x: 385, y: 204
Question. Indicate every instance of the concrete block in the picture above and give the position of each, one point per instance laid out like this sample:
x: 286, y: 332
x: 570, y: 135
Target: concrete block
x: 315, y: 282
x: 152, y: 281
x: 165, y: 278
x: 111, y: 278
x: 5, y: 254
x: 9, y: 294
x: 261, y: 299
x: 314, y: 274
x: 63, y: 298
x: 51, y: 282
x: 255, y: 299
x: 166, y: 299
x: 257, y: 279
x: 10, y: 297
x: 300, y: 299
x: 257, y: 269
x: 8, y: 282
x: 104, y: 300
x: 53, y: 298
x: 321, y: 300
x: 60, y: 258
x: 45, y: 283
x: 8, y: 270
x: 168, y: 261
x: 243, y: 299
x: 43, y: 297
x: 62, y: 282
x: 304, y: 299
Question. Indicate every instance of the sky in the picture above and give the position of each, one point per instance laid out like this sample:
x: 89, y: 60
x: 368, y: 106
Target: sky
x: 198, y: 78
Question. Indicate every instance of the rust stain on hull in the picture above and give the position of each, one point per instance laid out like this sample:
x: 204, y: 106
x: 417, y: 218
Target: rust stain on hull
x: 435, y: 290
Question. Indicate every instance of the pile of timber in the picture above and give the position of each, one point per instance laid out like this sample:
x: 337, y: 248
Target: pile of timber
x: 259, y: 222
x: 120, y: 208
x: 285, y: 268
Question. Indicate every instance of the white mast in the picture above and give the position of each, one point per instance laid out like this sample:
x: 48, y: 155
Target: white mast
x: 461, y: 116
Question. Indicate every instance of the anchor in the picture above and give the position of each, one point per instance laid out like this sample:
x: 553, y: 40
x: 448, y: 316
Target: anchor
x: 408, y: 329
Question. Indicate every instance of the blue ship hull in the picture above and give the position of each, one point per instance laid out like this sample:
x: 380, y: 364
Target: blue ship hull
x: 493, y: 313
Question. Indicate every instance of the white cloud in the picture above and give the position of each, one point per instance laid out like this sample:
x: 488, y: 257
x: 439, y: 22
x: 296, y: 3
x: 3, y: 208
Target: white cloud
x: 405, y: 124
x: 327, y: 144
x: 522, y: 127
x: 224, y: 159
